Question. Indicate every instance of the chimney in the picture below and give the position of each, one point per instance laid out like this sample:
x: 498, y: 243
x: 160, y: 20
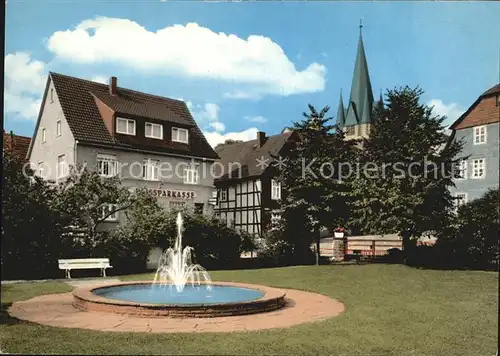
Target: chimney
x: 261, y: 138
x: 112, y: 85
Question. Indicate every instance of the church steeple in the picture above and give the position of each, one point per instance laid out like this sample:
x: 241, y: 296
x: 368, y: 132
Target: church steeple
x: 341, y: 112
x: 359, y: 110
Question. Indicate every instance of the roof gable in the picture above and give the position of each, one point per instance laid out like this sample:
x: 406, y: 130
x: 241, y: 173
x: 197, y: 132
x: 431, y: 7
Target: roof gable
x: 483, y: 111
x: 246, y: 155
x: 77, y: 98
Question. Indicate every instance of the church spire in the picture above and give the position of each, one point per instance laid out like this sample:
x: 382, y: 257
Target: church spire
x: 341, y: 112
x: 360, y: 106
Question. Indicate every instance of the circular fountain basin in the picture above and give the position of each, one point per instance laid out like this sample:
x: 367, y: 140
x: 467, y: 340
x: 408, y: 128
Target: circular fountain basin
x: 148, y: 299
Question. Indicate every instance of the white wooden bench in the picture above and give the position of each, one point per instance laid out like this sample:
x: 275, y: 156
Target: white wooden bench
x: 84, y: 263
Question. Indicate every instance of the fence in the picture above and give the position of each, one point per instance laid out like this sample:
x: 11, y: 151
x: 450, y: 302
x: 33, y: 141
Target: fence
x: 367, y: 245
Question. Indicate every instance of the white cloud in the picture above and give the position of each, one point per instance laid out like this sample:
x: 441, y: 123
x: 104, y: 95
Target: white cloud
x: 256, y: 64
x: 451, y: 111
x: 22, y: 106
x: 259, y: 119
x: 214, y: 138
x: 25, y: 80
x: 100, y: 79
x: 218, y: 126
x: 205, y: 114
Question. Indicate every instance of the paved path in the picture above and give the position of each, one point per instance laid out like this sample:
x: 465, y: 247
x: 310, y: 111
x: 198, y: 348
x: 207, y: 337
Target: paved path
x: 90, y: 282
x: 57, y: 310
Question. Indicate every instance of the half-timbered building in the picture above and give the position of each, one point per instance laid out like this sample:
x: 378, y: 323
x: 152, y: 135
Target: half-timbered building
x: 247, y: 194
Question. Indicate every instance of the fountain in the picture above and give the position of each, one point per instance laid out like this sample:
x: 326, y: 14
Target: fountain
x: 179, y: 289
x: 175, y: 266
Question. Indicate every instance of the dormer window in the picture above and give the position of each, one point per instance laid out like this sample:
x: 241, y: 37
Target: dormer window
x: 154, y: 130
x: 179, y: 135
x: 125, y: 126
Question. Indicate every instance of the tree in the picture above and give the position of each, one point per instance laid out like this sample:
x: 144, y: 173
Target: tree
x: 315, y: 179
x: 227, y: 142
x: 472, y: 241
x: 31, y: 231
x: 408, y: 165
x: 85, y: 200
x: 147, y: 224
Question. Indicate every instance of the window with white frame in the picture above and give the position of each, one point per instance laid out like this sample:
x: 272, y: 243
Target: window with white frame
x: 40, y: 169
x: 43, y: 136
x: 275, y: 217
x: 108, y: 212
x: 125, y: 126
x: 478, y: 168
x: 61, y: 166
x: 151, y: 169
x: 179, y: 135
x: 275, y: 190
x: 223, y: 194
x: 107, y: 166
x: 479, y: 135
x: 154, y: 130
x: 191, y: 175
x: 58, y: 128
x: 461, y: 199
x: 462, y: 170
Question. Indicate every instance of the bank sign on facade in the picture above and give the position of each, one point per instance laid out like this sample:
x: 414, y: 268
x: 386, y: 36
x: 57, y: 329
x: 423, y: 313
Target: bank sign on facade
x: 170, y: 193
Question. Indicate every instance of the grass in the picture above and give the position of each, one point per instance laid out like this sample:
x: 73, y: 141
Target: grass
x: 390, y: 309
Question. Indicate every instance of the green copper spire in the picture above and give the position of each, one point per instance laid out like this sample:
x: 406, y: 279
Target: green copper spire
x: 360, y: 106
x: 341, y: 112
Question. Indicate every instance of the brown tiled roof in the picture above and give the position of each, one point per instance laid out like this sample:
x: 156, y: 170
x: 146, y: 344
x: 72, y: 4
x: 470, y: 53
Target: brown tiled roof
x: 17, y: 144
x: 493, y: 90
x: 80, y: 109
x: 247, y: 153
x: 483, y: 111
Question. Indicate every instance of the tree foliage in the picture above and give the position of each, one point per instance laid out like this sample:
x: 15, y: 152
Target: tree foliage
x: 214, y: 243
x: 409, y: 165
x: 85, y: 200
x: 315, y: 179
x: 30, y: 228
x: 473, y: 240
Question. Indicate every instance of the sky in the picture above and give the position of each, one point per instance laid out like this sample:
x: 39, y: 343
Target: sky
x: 248, y: 66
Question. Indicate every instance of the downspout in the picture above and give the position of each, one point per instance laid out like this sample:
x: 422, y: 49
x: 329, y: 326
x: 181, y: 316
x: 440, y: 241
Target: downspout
x: 74, y: 154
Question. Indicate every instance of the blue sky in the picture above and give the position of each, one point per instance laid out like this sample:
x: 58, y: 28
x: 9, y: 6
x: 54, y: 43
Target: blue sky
x: 250, y: 65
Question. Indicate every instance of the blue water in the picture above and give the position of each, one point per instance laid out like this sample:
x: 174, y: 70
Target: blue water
x: 155, y: 294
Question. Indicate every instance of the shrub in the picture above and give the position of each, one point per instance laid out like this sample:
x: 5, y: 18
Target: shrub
x: 473, y: 240
x: 215, y: 244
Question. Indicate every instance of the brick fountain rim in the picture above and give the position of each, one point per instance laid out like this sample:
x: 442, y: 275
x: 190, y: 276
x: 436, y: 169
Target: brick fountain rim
x: 84, y: 299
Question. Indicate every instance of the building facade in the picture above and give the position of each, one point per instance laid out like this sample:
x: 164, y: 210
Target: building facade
x: 247, y: 194
x: 478, y: 128
x: 147, y: 140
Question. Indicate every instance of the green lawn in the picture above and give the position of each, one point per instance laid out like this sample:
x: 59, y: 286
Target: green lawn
x: 391, y: 309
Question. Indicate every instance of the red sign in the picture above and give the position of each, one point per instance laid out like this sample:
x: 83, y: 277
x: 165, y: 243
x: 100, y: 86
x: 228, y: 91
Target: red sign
x: 168, y: 193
